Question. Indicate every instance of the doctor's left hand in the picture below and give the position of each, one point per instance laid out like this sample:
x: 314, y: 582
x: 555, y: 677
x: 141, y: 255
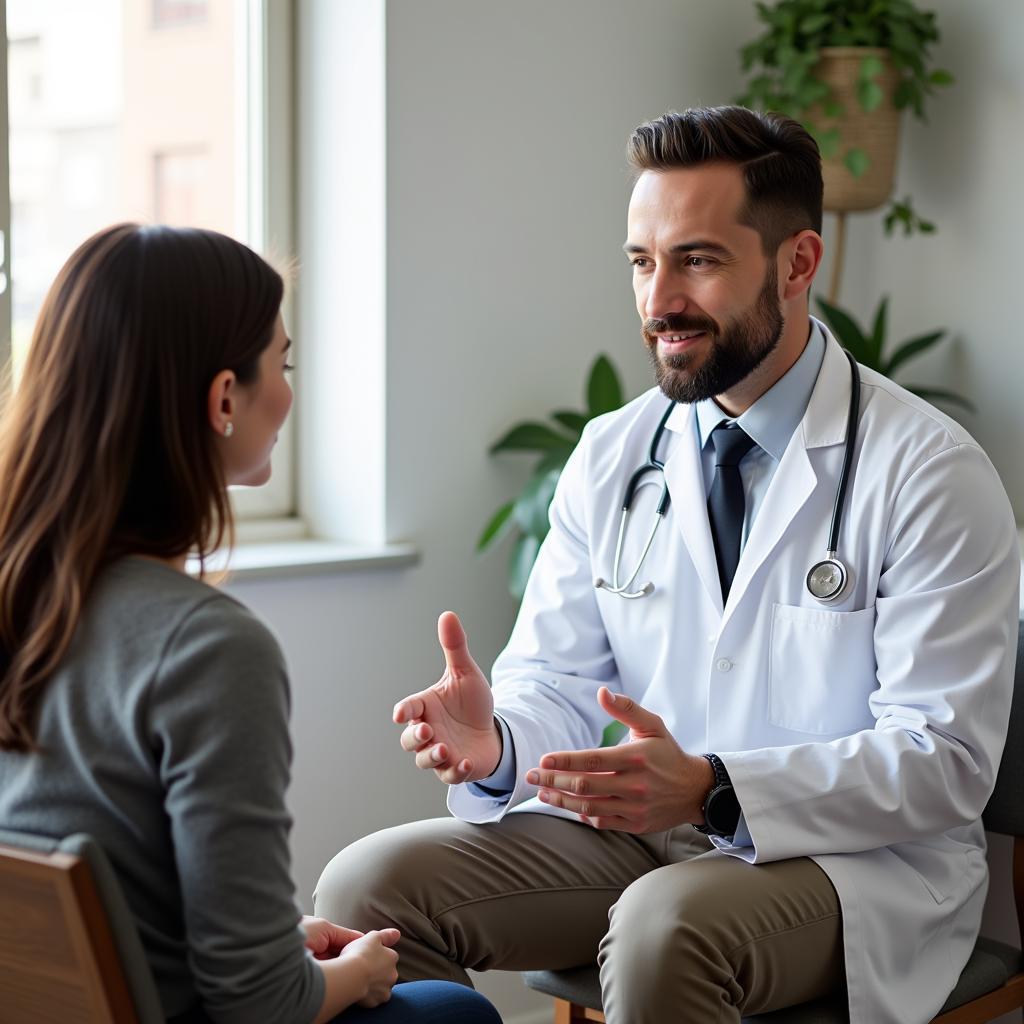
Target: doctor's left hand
x: 646, y: 784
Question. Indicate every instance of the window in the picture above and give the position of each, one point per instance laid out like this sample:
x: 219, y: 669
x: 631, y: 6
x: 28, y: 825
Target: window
x: 173, y: 111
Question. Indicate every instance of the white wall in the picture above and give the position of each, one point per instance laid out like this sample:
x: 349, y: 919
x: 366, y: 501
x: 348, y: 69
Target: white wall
x: 506, y: 193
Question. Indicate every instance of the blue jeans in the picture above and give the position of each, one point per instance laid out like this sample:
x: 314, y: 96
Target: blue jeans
x: 426, y: 1002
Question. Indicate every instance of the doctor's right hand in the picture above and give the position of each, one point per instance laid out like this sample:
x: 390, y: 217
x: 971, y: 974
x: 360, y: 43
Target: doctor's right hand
x: 451, y: 726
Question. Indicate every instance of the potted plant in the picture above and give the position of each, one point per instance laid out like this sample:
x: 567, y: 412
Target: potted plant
x: 847, y: 69
x: 526, y: 516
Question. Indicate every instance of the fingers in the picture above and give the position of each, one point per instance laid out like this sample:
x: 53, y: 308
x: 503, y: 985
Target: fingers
x: 452, y: 638
x: 408, y: 709
x: 583, y: 783
x: 437, y: 757
x: 603, y: 759
x: 591, y: 807
x: 455, y: 775
x: 390, y: 936
x: 626, y: 710
x: 415, y: 735
x: 341, y: 936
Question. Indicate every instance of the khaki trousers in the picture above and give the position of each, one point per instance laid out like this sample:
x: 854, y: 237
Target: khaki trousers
x: 681, y: 932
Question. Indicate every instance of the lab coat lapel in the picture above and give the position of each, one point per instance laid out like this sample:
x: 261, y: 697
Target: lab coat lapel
x: 823, y: 424
x: 685, y: 480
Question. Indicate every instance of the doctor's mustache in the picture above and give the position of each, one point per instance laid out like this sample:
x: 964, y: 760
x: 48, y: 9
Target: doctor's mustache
x: 676, y: 323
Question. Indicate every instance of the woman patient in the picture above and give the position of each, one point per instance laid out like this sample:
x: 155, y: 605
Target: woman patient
x: 137, y: 703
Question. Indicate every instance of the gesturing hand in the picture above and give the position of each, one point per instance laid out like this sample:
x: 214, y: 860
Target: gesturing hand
x: 451, y: 726
x: 647, y: 784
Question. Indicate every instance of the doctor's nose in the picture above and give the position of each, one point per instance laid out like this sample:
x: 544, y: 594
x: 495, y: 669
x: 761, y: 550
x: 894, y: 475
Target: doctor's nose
x: 664, y: 295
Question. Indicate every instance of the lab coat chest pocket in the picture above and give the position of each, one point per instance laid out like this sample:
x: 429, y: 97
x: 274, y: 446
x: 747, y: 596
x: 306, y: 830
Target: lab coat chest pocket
x: 821, y: 669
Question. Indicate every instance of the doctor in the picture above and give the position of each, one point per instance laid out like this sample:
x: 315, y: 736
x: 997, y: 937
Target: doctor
x: 796, y: 806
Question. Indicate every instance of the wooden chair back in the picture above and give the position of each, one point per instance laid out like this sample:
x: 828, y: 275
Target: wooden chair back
x: 58, y: 960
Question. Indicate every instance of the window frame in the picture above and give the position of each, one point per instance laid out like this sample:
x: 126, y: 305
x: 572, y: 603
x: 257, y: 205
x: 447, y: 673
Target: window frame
x: 264, y: 214
x: 266, y: 208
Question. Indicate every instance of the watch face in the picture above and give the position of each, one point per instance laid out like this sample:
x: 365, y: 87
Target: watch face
x: 722, y: 811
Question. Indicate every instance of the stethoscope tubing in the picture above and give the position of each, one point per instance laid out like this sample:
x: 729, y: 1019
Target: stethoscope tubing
x: 654, y: 465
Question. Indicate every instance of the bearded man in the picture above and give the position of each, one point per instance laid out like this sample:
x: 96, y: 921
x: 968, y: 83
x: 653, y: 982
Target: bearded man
x: 815, y: 721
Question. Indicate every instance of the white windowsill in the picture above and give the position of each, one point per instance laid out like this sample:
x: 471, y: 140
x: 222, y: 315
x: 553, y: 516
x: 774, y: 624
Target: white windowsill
x: 281, y: 549
x: 307, y: 557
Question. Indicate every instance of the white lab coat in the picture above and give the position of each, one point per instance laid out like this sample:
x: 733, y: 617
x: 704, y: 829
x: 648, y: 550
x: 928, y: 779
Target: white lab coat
x: 864, y: 734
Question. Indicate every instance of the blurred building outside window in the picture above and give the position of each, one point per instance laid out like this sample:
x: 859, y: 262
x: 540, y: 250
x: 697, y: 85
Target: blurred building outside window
x: 133, y: 110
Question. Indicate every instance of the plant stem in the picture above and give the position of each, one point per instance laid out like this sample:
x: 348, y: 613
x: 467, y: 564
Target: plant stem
x: 837, y: 257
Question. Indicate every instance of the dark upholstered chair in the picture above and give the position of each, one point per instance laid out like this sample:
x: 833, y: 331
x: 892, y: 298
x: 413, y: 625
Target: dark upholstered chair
x: 69, y: 948
x: 991, y: 984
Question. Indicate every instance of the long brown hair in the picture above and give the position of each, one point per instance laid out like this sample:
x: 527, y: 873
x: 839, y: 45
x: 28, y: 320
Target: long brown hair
x: 106, y: 448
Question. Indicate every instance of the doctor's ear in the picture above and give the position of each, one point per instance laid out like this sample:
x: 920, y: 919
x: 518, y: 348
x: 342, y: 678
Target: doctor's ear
x: 222, y: 402
x: 799, y: 258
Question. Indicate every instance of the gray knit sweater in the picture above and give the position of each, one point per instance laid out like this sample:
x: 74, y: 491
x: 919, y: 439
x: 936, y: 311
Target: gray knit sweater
x: 165, y: 736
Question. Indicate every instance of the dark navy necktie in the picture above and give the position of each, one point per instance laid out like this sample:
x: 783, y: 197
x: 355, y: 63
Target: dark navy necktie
x: 726, y: 502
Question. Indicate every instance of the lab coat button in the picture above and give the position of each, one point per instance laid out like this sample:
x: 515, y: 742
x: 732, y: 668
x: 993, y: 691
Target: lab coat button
x: 723, y: 664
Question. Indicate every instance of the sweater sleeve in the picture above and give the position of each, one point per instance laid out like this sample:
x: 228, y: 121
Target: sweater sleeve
x: 218, y: 713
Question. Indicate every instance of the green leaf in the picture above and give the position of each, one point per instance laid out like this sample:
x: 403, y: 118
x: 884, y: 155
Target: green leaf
x: 926, y: 227
x: 870, y: 67
x: 613, y: 732
x: 828, y: 142
x: 499, y: 525
x: 574, y: 421
x: 604, y: 392
x: 877, y: 341
x: 555, y: 459
x: 905, y: 93
x: 942, y: 395
x: 530, y: 437
x: 847, y: 331
x: 833, y: 108
x: 869, y: 96
x: 530, y: 509
x: 909, y: 349
x: 941, y: 77
x: 856, y: 161
x: 812, y: 23
x: 524, y: 554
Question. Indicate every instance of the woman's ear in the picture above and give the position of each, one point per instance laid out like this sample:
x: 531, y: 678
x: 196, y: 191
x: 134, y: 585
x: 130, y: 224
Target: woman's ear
x: 222, y: 402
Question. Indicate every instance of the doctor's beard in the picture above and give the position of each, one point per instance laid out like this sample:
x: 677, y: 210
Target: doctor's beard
x: 736, y: 350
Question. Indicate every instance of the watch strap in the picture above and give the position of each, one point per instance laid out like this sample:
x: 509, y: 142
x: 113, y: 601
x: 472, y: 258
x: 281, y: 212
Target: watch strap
x: 722, y: 780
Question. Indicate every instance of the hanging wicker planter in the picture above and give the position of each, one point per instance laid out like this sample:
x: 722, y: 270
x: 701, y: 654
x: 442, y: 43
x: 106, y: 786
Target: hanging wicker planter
x: 876, y: 133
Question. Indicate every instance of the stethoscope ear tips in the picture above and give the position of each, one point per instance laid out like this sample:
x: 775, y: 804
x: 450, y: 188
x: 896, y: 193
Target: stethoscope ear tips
x: 647, y: 588
x: 599, y: 584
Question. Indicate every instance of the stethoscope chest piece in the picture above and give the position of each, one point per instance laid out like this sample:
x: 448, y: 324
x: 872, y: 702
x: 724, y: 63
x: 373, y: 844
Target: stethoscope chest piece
x: 827, y: 579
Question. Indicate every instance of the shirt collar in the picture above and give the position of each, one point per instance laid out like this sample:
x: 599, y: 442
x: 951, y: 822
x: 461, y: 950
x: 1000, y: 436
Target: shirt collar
x: 771, y: 420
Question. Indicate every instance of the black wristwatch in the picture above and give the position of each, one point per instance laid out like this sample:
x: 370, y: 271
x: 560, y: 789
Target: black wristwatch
x: 721, y: 808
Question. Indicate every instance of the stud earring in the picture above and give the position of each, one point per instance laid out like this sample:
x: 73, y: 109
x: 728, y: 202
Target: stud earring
x: 229, y: 429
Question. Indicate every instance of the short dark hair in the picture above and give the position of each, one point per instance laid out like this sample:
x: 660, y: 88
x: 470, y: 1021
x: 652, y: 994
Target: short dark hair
x: 779, y: 159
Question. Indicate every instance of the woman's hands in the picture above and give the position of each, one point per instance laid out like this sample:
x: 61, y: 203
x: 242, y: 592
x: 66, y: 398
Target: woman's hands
x: 372, y: 956
x: 358, y: 967
x: 326, y: 940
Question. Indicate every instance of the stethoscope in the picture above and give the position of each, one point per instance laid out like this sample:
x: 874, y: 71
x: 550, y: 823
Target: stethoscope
x: 826, y: 580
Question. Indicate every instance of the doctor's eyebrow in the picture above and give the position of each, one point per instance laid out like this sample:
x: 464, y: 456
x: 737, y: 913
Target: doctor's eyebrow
x: 701, y: 244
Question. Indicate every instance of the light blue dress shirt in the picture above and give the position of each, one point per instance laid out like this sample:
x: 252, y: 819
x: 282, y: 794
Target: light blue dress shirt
x: 770, y: 421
